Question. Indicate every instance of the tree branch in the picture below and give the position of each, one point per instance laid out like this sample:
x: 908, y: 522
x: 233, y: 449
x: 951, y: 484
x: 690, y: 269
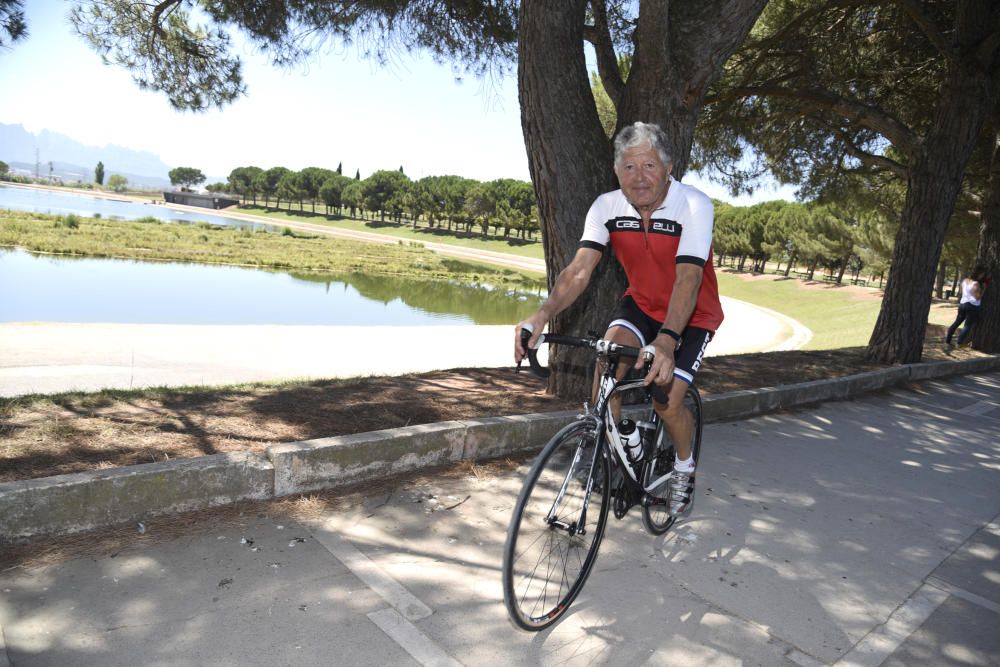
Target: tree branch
x: 926, y: 26
x: 158, y: 11
x: 897, y: 132
x: 607, y: 61
x: 868, y: 159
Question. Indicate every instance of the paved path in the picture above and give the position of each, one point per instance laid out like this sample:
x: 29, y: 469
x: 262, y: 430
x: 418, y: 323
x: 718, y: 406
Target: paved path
x: 854, y: 533
x: 52, y: 357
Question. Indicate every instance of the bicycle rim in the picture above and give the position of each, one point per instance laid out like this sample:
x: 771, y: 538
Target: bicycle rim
x: 655, y: 516
x: 547, y: 558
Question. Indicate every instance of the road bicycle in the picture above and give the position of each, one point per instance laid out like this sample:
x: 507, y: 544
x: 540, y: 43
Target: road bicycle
x: 561, y: 513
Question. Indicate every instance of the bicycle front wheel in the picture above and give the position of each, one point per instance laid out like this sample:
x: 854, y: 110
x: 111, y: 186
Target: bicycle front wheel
x: 556, y: 528
x: 655, y: 516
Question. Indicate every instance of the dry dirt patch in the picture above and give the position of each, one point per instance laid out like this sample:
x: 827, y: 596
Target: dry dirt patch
x: 75, y: 432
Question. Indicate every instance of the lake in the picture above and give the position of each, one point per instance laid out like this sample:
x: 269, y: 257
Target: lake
x: 65, y: 203
x: 39, y: 288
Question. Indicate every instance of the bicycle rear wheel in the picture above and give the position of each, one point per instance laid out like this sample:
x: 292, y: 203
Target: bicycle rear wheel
x: 655, y: 516
x: 556, y: 528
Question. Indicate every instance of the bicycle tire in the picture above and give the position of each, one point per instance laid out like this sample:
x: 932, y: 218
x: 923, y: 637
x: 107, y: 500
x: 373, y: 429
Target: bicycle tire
x: 544, y: 564
x: 655, y: 517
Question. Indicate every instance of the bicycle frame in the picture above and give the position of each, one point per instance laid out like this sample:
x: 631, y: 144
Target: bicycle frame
x: 608, y: 441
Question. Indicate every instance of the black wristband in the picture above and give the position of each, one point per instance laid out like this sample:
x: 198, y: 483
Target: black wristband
x: 670, y: 332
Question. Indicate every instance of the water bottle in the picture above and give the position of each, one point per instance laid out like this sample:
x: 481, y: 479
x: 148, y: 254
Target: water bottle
x: 631, y: 439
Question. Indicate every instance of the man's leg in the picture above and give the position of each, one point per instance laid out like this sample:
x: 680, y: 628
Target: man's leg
x: 677, y: 488
x: 679, y: 422
x: 677, y: 419
x: 622, y: 336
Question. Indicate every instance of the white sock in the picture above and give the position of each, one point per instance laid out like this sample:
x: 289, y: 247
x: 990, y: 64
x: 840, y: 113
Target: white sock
x: 685, y: 465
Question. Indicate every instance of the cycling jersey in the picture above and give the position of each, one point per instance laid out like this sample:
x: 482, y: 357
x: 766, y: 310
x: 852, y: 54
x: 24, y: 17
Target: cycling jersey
x: 680, y: 232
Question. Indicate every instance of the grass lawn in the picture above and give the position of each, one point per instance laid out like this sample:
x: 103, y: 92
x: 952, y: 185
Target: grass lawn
x: 838, y: 317
x: 153, y: 240
x: 422, y: 233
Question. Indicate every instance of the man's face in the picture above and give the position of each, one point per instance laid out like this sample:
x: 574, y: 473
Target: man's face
x: 643, y: 176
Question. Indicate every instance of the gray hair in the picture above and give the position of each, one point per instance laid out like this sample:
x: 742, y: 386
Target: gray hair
x: 640, y: 134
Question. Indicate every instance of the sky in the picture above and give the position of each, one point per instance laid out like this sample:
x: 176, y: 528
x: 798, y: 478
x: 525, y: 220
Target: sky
x: 336, y: 108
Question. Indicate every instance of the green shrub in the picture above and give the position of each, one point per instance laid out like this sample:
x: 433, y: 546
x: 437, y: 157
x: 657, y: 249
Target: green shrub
x: 69, y: 221
x: 287, y: 231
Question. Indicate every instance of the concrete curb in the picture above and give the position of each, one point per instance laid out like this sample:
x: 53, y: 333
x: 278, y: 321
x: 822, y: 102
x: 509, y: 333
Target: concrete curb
x: 312, y: 465
x: 66, y: 504
x: 93, y: 499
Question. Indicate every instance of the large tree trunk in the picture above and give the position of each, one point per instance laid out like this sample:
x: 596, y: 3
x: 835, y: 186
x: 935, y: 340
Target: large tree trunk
x: 967, y: 97
x: 680, y: 49
x: 986, y: 334
x: 570, y: 161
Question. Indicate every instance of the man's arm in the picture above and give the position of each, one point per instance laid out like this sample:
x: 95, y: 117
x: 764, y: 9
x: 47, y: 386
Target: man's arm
x: 569, y: 285
x: 682, y: 302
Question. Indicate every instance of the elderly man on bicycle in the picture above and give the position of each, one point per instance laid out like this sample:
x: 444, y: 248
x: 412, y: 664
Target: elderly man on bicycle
x: 661, y: 232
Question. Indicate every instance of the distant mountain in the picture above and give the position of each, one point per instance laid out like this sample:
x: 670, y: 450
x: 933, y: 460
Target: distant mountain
x: 72, y: 160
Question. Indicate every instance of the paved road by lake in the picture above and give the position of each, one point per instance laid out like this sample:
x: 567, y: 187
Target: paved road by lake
x: 48, y: 357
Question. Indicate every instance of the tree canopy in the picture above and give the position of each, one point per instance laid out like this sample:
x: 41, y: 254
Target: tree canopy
x: 13, y: 27
x: 186, y: 177
x: 117, y: 182
x: 167, y: 50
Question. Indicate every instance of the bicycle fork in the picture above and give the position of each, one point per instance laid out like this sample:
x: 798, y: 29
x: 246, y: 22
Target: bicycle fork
x: 577, y: 527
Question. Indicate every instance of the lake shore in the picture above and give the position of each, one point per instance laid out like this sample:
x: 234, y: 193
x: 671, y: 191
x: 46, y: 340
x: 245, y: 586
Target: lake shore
x: 50, y: 357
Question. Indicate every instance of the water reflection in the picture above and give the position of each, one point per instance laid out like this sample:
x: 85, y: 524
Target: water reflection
x: 481, y: 303
x: 62, y: 289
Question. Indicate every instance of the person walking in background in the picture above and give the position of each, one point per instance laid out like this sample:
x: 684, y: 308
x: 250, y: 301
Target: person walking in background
x: 968, y: 306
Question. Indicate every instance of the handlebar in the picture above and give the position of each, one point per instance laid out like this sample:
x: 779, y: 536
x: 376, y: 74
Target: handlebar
x: 601, y: 345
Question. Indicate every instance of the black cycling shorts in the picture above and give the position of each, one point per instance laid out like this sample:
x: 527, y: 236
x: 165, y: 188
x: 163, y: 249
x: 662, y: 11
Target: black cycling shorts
x: 694, y: 340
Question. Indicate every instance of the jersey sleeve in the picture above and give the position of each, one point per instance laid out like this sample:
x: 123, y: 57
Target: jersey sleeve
x: 595, y: 233
x: 696, y: 230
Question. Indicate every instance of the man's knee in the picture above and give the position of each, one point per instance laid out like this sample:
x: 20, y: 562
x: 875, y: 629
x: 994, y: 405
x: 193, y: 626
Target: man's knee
x: 675, y: 404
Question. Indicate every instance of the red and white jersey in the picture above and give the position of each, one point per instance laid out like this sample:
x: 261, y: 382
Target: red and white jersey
x: 680, y: 232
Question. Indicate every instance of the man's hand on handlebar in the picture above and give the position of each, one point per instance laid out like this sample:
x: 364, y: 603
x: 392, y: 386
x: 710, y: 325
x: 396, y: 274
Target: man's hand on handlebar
x: 661, y: 370
x: 535, y: 324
